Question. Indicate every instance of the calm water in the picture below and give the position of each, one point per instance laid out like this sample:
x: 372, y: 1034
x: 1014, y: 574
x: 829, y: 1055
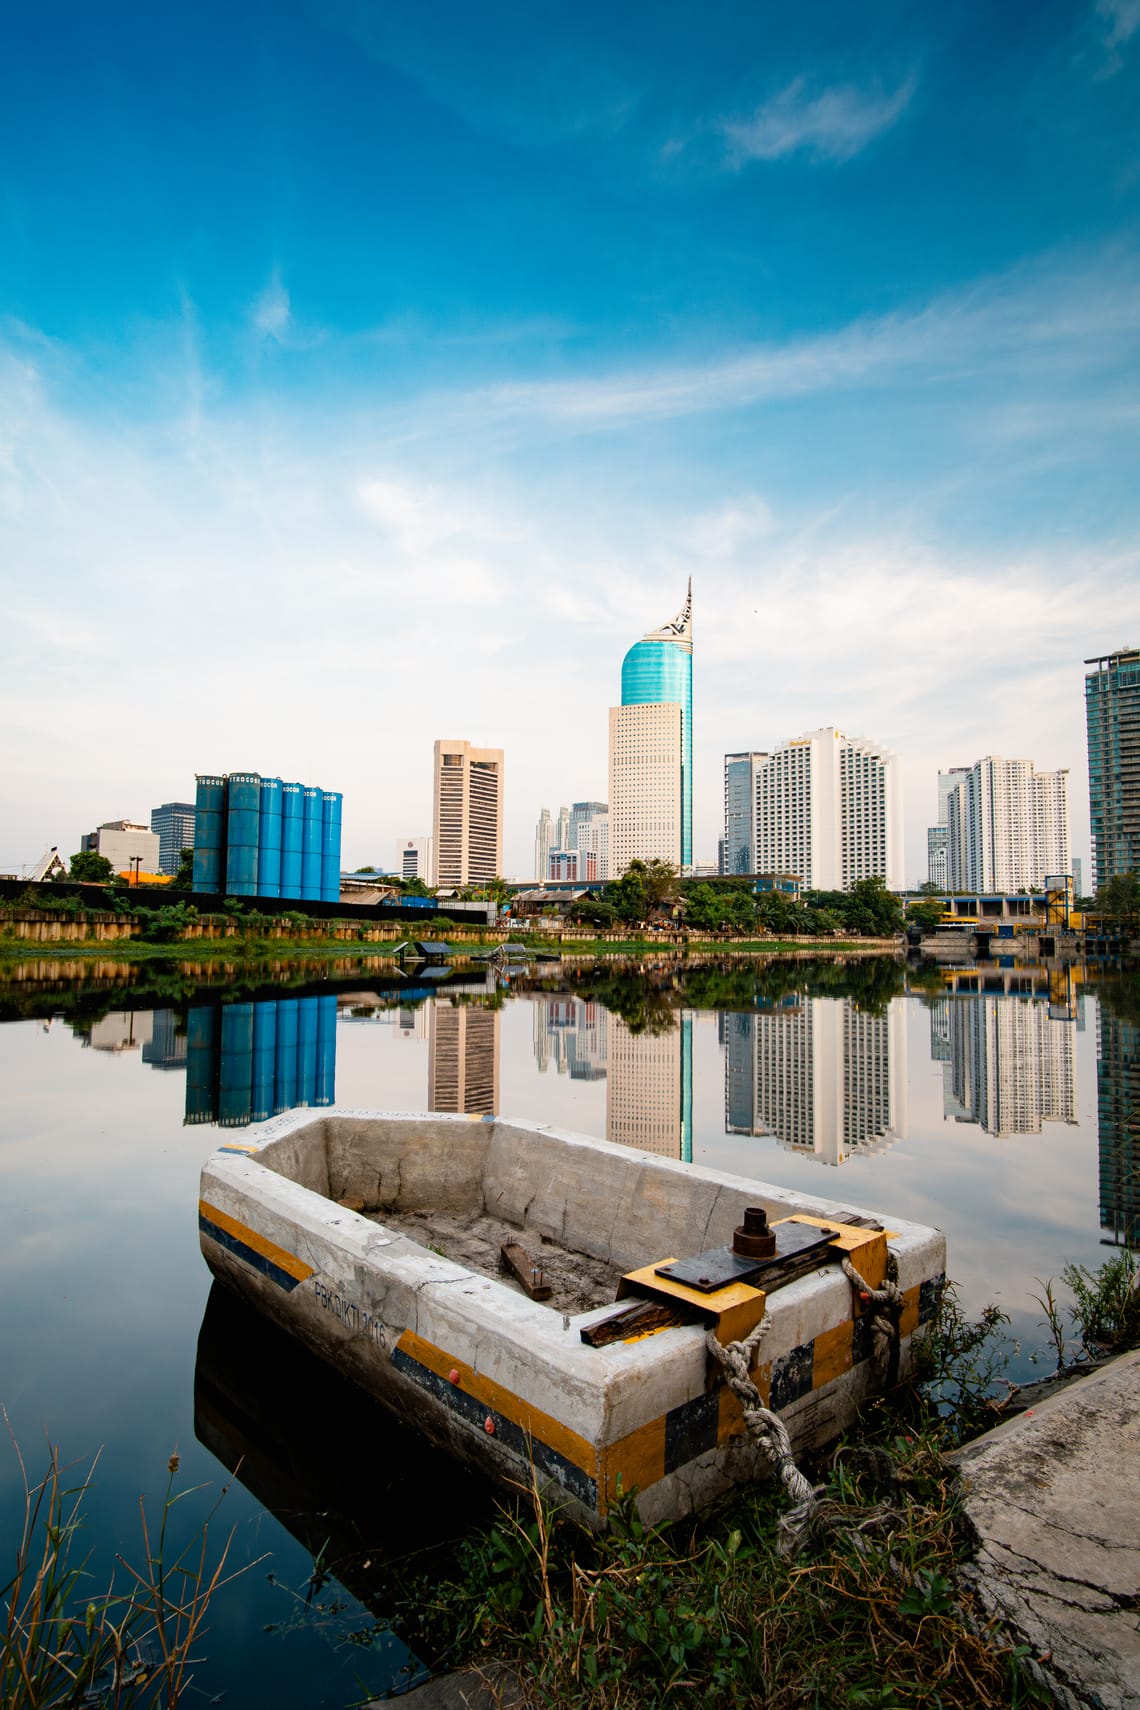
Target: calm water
x: 998, y: 1104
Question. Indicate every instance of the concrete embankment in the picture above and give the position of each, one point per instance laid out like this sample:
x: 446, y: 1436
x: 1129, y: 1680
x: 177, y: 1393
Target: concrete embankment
x: 1054, y: 1497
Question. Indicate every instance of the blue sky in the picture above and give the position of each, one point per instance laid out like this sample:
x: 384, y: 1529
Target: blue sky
x: 371, y: 373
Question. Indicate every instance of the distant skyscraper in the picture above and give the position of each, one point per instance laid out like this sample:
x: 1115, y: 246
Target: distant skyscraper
x: 658, y: 670
x: 562, y: 829
x: 740, y: 772
x: 824, y: 1077
x: 1078, y: 876
x: 543, y: 844
x: 646, y: 747
x: 413, y: 858
x: 1112, y: 713
x: 467, y: 814
x: 937, y: 836
x: 463, y: 1059
x: 581, y: 814
x: 829, y: 807
x: 174, y: 823
x: 1008, y: 826
x: 594, y: 845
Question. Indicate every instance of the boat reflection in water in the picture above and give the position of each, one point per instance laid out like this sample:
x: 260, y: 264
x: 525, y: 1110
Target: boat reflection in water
x: 246, y: 1062
x: 366, y: 1500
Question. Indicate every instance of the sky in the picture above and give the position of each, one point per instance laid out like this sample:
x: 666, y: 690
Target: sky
x: 372, y: 373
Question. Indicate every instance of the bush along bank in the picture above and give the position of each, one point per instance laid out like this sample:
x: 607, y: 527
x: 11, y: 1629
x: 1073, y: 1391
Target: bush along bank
x: 863, y: 1609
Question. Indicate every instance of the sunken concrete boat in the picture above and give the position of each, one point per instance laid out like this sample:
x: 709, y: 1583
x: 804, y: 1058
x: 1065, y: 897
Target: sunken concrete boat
x: 530, y: 1298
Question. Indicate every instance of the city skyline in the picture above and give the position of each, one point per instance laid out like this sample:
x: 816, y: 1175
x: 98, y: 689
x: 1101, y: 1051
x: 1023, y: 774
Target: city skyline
x: 300, y: 398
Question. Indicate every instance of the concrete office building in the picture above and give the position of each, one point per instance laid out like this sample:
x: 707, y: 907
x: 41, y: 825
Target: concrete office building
x: 543, y: 844
x: 828, y: 807
x: 1112, y: 716
x: 562, y: 829
x: 593, y: 844
x: 1078, y: 876
x: 413, y: 858
x: 123, y: 842
x: 736, y: 854
x: 937, y: 836
x: 174, y: 824
x: 581, y: 814
x: 1007, y: 826
x: 658, y: 671
x: 645, y: 762
x: 467, y: 814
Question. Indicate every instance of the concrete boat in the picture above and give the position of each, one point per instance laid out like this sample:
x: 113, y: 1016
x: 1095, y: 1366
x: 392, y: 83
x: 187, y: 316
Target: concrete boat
x: 375, y: 1239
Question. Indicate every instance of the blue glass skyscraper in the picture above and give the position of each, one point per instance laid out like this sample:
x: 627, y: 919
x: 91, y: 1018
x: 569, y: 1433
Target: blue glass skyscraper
x: 657, y: 668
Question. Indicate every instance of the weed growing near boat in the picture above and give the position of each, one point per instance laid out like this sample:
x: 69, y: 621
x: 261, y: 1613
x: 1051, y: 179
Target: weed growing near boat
x: 62, y: 1648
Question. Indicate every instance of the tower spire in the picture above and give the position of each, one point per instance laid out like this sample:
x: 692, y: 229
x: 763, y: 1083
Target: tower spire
x: 679, y: 629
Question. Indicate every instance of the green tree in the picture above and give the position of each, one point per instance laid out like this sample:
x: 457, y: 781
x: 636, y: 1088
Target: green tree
x: 1119, y: 895
x: 183, y: 879
x: 416, y: 888
x: 927, y: 915
x: 929, y: 889
x: 626, y: 895
x: 91, y: 869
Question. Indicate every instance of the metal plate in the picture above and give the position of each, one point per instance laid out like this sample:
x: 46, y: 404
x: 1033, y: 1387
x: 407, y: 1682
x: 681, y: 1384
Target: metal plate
x: 720, y: 1265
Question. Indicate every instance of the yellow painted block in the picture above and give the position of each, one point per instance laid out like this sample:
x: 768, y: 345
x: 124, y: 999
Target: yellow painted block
x: 831, y: 1354
x: 737, y: 1308
x: 866, y: 1248
x: 908, y: 1318
x: 638, y: 1457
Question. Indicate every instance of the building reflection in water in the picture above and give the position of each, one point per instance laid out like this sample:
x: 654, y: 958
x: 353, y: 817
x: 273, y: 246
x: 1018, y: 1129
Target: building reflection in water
x: 1118, y: 1121
x: 572, y: 1034
x: 825, y: 1078
x: 463, y: 1058
x: 1007, y: 1060
x: 249, y: 1061
x: 166, y: 1047
x: 649, y: 1088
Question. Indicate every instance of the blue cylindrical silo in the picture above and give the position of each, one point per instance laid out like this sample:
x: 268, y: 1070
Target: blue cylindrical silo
x: 263, y: 1082
x: 292, y: 838
x: 311, y: 844
x: 201, y: 1063
x: 242, y: 831
x: 330, y: 845
x: 326, y: 1050
x: 235, y: 1065
x: 209, y: 832
x: 285, y: 1069
x: 306, y: 1050
x: 269, y: 840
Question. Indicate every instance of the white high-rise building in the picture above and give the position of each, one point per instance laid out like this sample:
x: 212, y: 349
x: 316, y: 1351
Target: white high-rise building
x: 123, y: 841
x: 594, y: 846
x: 562, y: 829
x: 467, y: 814
x: 828, y: 807
x: 413, y: 858
x: 543, y: 844
x: 1008, y: 826
x: 645, y: 784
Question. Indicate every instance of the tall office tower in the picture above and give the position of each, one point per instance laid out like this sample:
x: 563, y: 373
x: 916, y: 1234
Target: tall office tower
x: 829, y: 807
x: 1078, y: 876
x: 649, y: 1088
x: 467, y: 814
x: 122, y: 841
x: 739, y: 807
x: 562, y: 829
x: 413, y: 858
x: 1112, y: 713
x: 658, y: 669
x: 937, y: 835
x: 1007, y: 826
x: 825, y: 1078
x: 1118, y: 1124
x: 543, y: 844
x: 174, y: 823
x: 463, y: 1059
x: 1011, y: 1065
x: 594, y: 846
x: 581, y: 813
x: 645, y: 785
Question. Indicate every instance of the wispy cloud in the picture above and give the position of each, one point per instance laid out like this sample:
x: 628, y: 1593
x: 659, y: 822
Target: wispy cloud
x: 272, y: 312
x: 833, y: 125
x: 1119, y: 20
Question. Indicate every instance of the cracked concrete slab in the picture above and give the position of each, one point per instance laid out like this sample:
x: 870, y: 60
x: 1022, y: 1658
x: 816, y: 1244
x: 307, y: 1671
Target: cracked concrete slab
x: 1054, y: 1497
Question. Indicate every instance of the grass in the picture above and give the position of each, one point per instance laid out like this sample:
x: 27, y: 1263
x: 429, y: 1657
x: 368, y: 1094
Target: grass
x: 871, y: 1613
x: 65, y: 1646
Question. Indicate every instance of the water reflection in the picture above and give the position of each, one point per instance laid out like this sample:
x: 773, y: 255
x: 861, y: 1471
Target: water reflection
x: 1007, y: 1061
x: 1118, y: 1125
x: 648, y: 1069
x: 572, y: 1034
x: 249, y: 1061
x: 825, y: 1078
x: 463, y: 1059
